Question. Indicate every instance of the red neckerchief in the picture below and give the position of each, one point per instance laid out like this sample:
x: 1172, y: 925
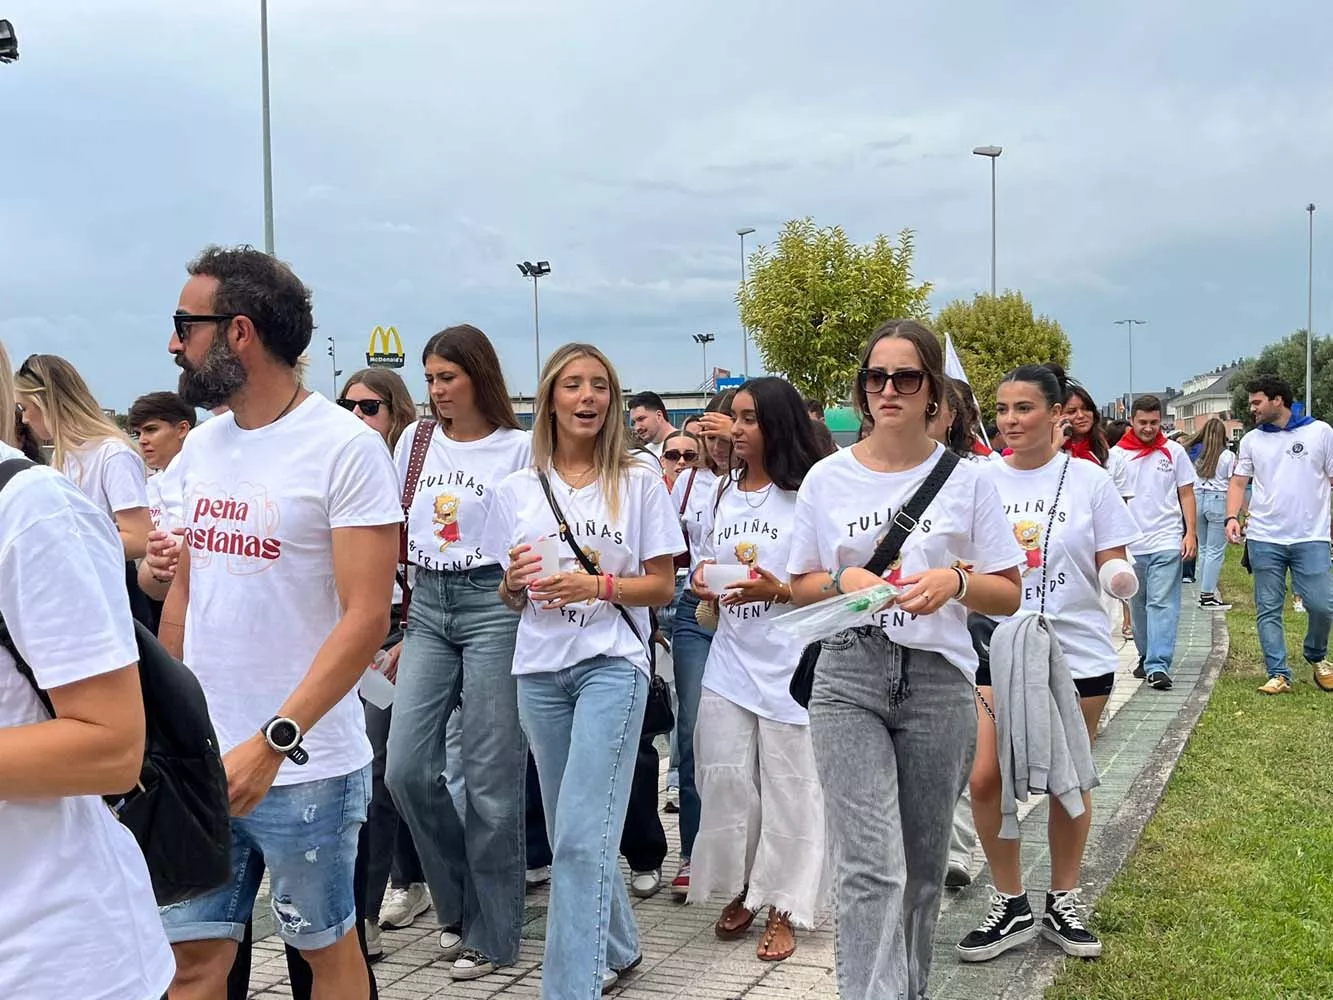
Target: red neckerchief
x: 1081, y: 449
x: 1132, y: 442
x: 1006, y: 453
x: 979, y: 448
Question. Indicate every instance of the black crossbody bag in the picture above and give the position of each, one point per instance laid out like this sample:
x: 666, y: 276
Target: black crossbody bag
x: 658, y: 719
x: 904, y: 523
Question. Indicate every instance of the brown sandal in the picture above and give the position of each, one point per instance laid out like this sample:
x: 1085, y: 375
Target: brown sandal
x: 735, y: 920
x: 779, y: 940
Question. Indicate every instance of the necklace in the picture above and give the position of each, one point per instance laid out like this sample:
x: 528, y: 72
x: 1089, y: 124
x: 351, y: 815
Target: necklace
x: 575, y: 480
x: 762, y: 492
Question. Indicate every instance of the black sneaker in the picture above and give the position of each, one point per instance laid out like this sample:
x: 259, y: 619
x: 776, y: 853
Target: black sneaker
x: 1160, y: 680
x: 1138, y: 671
x: 1211, y: 601
x: 1008, y: 924
x: 1064, y: 926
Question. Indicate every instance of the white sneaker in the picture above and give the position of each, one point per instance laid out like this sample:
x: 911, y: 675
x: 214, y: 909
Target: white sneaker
x: 451, y: 943
x: 537, y: 876
x: 374, y: 941
x: 645, y: 884
x: 402, y: 906
x: 672, y: 800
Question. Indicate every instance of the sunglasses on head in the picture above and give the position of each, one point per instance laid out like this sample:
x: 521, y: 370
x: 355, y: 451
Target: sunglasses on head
x: 675, y: 456
x: 369, y: 407
x: 906, y: 381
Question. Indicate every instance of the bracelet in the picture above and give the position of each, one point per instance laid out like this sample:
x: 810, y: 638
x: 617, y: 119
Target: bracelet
x: 962, y: 583
x: 835, y: 580
x: 619, y: 597
x: 610, y: 579
x: 516, y: 594
x: 1232, y: 517
x: 784, y: 594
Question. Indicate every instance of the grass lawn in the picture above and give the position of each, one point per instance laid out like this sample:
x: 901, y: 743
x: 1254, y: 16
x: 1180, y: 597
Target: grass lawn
x: 1230, y: 892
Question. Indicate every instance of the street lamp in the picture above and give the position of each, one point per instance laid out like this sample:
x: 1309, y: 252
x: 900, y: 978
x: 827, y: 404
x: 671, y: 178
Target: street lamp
x: 703, y: 340
x: 268, y: 136
x: 534, y: 271
x: 743, y: 232
x: 1128, y: 324
x: 1309, y: 320
x: 9, y: 43
x: 993, y: 152
x: 333, y: 354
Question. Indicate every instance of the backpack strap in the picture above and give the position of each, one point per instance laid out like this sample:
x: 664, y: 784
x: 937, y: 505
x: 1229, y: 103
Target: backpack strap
x: 8, y: 470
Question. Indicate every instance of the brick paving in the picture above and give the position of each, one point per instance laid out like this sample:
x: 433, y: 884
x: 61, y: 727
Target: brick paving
x: 683, y: 958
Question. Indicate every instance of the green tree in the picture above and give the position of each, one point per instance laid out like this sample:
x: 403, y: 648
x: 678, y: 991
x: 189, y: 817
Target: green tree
x: 995, y: 334
x: 1286, y: 360
x: 814, y: 297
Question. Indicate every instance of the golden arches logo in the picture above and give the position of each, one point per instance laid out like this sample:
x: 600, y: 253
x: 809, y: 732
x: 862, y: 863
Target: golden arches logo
x: 378, y: 353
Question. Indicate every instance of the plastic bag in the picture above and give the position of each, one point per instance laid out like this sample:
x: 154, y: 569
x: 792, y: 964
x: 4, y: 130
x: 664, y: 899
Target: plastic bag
x: 835, y: 614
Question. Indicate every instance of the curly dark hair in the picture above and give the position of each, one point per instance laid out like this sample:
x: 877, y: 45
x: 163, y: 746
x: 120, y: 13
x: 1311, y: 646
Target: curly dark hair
x: 257, y: 285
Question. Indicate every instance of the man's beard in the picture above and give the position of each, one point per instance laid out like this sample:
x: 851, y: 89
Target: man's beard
x: 216, y: 379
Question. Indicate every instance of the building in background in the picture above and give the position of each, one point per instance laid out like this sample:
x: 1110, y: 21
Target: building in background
x: 1205, y: 396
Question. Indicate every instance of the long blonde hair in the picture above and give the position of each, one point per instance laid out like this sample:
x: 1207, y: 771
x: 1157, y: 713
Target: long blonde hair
x: 8, y: 405
x: 73, y: 417
x: 1212, y: 437
x: 610, y: 454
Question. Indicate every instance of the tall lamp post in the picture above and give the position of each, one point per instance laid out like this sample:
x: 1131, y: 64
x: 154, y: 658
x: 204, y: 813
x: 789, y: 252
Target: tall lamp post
x: 703, y: 340
x: 337, y: 372
x: 743, y: 232
x: 1309, y: 320
x: 268, y: 134
x: 1129, y: 324
x: 993, y: 153
x: 9, y: 43
x: 534, y: 271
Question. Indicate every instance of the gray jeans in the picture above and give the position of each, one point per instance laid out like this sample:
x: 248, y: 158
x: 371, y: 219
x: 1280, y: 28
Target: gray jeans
x: 894, y: 732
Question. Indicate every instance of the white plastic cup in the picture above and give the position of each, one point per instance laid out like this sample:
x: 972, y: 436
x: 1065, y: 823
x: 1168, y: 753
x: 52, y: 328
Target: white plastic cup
x: 717, y: 576
x: 548, y: 550
x: 375, y: 687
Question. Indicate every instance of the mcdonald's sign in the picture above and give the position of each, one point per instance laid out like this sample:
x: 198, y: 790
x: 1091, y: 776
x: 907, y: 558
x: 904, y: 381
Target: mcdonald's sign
x: 386, y: 348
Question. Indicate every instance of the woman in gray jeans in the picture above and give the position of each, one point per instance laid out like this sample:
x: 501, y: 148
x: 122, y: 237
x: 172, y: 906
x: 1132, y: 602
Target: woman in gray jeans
x: 893, y: 711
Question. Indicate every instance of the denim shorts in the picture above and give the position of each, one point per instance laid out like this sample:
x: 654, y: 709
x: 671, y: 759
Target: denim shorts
x: 306, y: 836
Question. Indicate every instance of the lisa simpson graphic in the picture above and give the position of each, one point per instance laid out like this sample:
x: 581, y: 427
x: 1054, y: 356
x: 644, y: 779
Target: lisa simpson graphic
x: 446, y: 520
x: 1028, y: 534
x: 747, y: 554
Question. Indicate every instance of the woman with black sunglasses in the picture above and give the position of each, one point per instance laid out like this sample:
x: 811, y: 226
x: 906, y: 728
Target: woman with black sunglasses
x: 893, y: 710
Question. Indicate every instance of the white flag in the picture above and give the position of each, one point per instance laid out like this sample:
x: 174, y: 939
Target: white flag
x: 953, y: 367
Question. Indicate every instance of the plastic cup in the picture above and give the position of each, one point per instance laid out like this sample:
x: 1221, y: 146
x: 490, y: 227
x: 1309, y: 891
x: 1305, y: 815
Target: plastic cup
x: 717, y: 576
x: 376, y: 688
x: 548, y: 550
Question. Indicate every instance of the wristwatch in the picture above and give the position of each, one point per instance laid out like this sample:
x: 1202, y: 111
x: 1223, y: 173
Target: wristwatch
x: 284, y: 736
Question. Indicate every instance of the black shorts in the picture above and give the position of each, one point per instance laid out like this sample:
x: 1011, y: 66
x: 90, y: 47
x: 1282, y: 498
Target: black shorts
x: 1087, y: 687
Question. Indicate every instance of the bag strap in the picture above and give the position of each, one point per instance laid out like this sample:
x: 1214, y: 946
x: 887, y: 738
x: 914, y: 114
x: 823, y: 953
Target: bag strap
x: 905, y: 521
x: 568, y: 537
x: 685, y: 500
x: 8, y: 470
x: 416, y: 461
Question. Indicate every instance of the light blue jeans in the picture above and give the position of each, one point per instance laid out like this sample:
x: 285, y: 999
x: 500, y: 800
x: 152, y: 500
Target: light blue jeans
x: 584, y: 723
x: 690, y: 643
x: 1212, y: 537
x: 460, y: 643
x: 1155, y: 609
x: 1309, y: 565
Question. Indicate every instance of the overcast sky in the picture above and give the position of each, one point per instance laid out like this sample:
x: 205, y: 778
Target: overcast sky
x: 1157, y: 162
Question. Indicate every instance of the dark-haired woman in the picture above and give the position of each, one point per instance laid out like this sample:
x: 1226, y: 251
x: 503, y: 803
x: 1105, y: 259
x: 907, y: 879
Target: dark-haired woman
x: 1070, y: 522
x: 460, y: 636
x: 761, y: 836
x: 692, y: 628
x: 893, y: 714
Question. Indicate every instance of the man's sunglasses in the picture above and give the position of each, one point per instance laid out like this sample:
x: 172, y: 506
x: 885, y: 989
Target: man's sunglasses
x: 675, y: 456
x: 906, y: 381
x: 184, y: 321
x: 369, y: 407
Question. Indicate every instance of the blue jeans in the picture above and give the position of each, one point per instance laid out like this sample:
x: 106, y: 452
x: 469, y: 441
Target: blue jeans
x: 1212, y: 538
x: 584, y: 723
x: 460, y: 643
x: 306, y: 836
x: 1155, y: 609
x: 1309, y: 565
x: 690, y: 643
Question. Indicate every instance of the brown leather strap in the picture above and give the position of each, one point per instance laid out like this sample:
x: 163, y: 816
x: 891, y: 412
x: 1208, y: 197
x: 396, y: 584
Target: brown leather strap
x: 416, y: 462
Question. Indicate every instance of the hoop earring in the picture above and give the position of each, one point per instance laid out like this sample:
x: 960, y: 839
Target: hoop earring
x: 932, y: 408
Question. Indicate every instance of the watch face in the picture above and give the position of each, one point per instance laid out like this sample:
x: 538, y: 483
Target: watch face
x: 282, y: 734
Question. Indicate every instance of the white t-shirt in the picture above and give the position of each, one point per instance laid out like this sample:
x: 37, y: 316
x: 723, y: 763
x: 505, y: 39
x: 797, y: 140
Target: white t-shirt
x: 693, y: 508
x: 1156, y: 480
x: 1089, y: 518
x: 164, y: 496
x: 110, y: 473
x: 260, y: 509
x: 79, y: 918
x: 1290, y: 471
x: 1118, y: 469
x: 449, y: 504
x: 646, y: 527
x: 1221, y: 478
x: 844, y: 509
x: 750, y: 662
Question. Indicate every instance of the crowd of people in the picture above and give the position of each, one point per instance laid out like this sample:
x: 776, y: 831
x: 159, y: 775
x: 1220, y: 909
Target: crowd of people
x: 519, y: 588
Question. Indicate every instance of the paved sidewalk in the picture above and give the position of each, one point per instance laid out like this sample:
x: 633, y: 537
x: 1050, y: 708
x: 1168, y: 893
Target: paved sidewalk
x: 683, y: 958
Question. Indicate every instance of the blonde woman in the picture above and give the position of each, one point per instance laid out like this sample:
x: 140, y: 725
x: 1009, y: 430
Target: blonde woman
x: 580, y: 656
x: 88, y: 446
